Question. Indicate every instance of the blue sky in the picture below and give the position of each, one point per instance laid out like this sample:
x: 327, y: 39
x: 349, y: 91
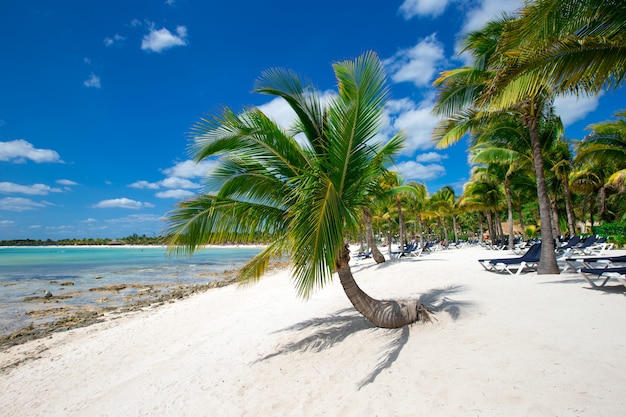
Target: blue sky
x: 97, y: 98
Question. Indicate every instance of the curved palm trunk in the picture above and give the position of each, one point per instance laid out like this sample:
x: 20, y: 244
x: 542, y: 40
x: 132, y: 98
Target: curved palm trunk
x: 421, y: 226
x: 568, y: 207
x: 556, y: 232
x: 389, y: 314
x: 369, y: 234
x: 521, y: 222
x: 401, y: 224
x: 456, y: 232
x: 490, y: 226
x: 509, y: 205
x: 547, y: 263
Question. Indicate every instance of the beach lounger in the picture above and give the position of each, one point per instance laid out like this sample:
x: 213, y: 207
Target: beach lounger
x: 411, y: 250
x: 599, y: 247
x: 527, y: 261
x: 597, y: 262
x: 594, y: 275
x: 570, y: 244
x: 583, y: 247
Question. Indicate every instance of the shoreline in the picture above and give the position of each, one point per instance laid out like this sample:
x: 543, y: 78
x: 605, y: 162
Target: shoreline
x: 499, y: 345
x: 68, y: 317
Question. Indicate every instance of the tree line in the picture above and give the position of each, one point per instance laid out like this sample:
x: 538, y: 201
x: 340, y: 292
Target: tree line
x: 133, y: 239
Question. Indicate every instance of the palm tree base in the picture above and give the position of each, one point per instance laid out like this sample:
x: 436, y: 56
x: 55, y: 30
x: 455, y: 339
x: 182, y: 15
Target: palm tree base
x: 388, y: 314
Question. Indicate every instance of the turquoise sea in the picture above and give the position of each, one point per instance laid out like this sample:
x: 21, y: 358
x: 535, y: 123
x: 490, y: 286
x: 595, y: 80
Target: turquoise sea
x: 73, y: 270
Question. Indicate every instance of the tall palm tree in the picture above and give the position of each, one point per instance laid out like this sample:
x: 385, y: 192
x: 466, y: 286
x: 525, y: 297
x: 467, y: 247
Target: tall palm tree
x: 468, y: 99
x: 305, y: 194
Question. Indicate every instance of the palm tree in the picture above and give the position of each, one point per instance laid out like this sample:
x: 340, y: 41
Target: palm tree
x: 469, y: 98
x: 561, y: 159
x: 607, y: 142
x: 483, y: 194
x: 443, y: 202
x: 417, y: 201
x: 304, y: 195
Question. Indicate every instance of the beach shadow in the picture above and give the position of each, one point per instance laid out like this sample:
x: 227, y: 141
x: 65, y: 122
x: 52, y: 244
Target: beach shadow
x: 332, y: 330
x: 607, y: 289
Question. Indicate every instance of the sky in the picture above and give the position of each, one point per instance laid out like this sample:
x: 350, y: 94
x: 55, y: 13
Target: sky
x: 97, y: 98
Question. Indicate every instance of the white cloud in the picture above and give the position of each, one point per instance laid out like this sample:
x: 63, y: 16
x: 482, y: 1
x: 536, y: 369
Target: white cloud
x: 19, y: 150
x: 279, y: 111
x: 190, y: 169
x: 488, y: 10
x: 414, y: 171
x: 135, y: 218
x: 176, y: 194
x: 417, y: 64
x: 122, y: 203
x: 144, y: 185
x: 572, y: 109
x: 412, y: 8
x: 430, y: 157
x: 162, y: 39
x: 415, y: 120
x: 6, y: 223
x: 35, y: 189
x: 20, y: 204
x: 177, y: 182
x: 93, y: 81
x: 114, y: 40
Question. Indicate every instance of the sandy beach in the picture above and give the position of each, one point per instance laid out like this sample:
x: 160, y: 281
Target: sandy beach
x: 500, y: 345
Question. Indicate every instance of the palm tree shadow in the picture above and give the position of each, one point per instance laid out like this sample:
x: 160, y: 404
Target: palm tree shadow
x: 330, y: 331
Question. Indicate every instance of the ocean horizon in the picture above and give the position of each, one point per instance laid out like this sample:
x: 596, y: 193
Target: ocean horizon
x: 73, y: 275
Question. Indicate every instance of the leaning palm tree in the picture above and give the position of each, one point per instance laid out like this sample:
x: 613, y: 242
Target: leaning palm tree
x: 306, y: 193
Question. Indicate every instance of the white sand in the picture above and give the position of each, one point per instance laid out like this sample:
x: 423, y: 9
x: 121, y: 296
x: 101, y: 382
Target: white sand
x: 501, y: 346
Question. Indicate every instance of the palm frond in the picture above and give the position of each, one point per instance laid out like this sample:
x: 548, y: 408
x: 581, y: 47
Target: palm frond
x: 209, y: 219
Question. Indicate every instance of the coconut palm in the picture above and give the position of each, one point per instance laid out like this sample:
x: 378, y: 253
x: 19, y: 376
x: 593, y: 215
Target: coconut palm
x: 304, y: 193
x: 469, y: 99
x: 483, y: 194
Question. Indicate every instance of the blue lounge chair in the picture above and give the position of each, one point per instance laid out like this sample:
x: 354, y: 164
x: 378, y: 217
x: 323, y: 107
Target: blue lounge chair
x: 583, y: 247
x: 411, y: 250
x: 570, y: 244
x: 529, y: 260
x: 594, y: 262
x: 605, y: 274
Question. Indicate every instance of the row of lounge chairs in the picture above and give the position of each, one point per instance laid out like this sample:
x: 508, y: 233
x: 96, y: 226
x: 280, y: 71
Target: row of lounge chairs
x: 596, y: 270
x: 591, y: 245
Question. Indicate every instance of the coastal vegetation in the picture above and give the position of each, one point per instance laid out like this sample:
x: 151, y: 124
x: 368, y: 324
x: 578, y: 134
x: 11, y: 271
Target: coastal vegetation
x: 133, y: 239
x: 520, y: 64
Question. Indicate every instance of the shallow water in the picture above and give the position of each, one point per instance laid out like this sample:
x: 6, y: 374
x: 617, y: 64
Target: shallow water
x: 72, y: 271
